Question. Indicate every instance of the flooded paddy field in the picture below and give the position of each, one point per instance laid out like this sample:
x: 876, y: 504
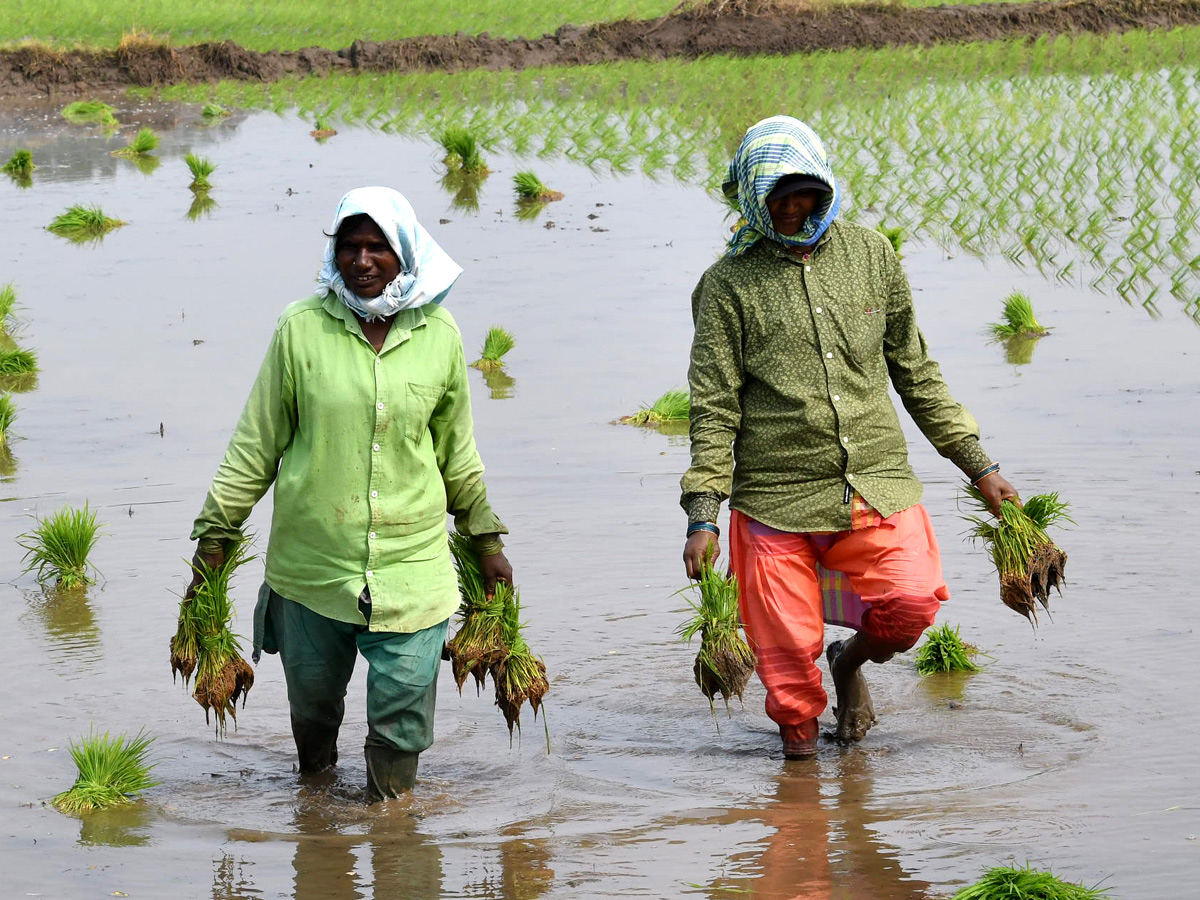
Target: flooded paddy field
x: 1072, y: 749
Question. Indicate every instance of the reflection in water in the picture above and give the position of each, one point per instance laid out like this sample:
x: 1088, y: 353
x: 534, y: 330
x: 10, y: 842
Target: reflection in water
x: 525, y: 869
x: 230, y: 882
x: 822, y: 847
x: 202, y: 205
x: 8, y: 463
x: 500, y: 383
x: 463, y: 189
x: 71, y: 626
x: 529, y: 210
x: 21, y: 179
x: 121, y: 826
x: 1018, y: 350
x: 146, y: 164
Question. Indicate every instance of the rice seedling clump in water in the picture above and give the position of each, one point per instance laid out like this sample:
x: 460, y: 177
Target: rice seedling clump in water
x: 8, y: 303
x: 725, y: 661
x: 17, y: 362
x: 112, y: 770
x: 1018, y: 319
x: 57, y: 549
x: 213, y: 111
x: 495, y: 347
x: 1010, y: 883
x: 87, y: 111
x: 20, y: 163
x: 478, y: 645
x: 462, y: 151
x: 201, y: 168
x: 530, y: 188
x: 82, y: 223
x: 144, y: 142
x: 673, y: 406
x: 1028, y: 562
x: 203, y: 643
x: 945, y: 651
x: 894, y: 235
x: 8, y: 412
x: 322, y: 130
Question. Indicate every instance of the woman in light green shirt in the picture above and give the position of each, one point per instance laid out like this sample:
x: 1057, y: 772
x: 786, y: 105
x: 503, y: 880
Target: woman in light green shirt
x: 361, y: 418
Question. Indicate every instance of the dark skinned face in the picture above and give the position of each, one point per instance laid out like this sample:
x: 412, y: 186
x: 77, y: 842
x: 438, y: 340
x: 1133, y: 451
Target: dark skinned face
x: 789, y: 213
x: 364, y: 258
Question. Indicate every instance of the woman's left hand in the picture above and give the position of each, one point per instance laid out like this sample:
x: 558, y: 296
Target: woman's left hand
x: 494, y: 568
x: 995, y: 488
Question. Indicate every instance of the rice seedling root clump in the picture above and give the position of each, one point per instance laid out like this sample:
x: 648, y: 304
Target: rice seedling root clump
x: 1012, y: 883
x: 1019, y: 320
x: 322, y: 130
x: 57, y: 548
x: 83, y: 223
x: 725, y: 661
x: 1029, y: 564
x: 203, y: 644
x: 144, y: 142
x: 673, y: 406
x: 112, y: 770
x: 945, y: 651
x: 495, y: 347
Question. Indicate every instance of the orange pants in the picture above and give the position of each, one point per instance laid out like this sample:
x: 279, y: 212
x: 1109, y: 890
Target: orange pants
x: 894, y: 568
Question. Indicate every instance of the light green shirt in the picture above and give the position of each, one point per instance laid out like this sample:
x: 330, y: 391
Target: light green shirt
x: 367, y: 453
x: 789, y: 376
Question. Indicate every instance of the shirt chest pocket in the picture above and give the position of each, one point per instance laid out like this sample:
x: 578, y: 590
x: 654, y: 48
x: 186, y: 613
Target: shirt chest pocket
x: 859, y: 315
x: 420, y: 400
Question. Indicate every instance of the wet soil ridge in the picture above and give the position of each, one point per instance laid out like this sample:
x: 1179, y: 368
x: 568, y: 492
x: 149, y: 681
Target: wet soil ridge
x: 734, y: 27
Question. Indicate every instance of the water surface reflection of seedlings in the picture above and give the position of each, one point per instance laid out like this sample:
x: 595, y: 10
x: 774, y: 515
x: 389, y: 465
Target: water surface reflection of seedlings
x: 1026, y: 884
x: 57, y: 548
x: 200, y: 167
x: 83, y: 223
x: 725, y: 661
x: 1018, y: 319
x: 202, y: 205
x: 8, y: 412
x: 112, y: 770
x: 143, y: 142
x: 8, y: 304
x: 500, y: 385
x: 673, y: 406
x: 462, y: 151
x: 945, y: 651
x: 495, y: 347
x: 20, y: 168
x: 83, y: 112
x: 463, y: 188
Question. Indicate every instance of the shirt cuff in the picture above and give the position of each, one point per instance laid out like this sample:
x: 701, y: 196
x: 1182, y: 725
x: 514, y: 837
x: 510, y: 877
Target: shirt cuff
x: 487, y: 544
x: 210, y: 545
x: 969, y: 455
x: 702, y: 508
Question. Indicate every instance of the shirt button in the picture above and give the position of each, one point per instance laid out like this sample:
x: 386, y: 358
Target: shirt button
x: 375, y: 447
x: 371, y: 535
x: 806, y: 268
x: 379, y: 406
x: 374, y: 493
x: 829, y: 356
x: 846, y: 440
x: 818, y: 309
x: 836, y: 397
x: 370, y: 573
x: 850, y: 477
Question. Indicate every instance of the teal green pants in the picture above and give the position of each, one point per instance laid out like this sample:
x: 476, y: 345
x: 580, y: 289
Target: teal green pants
x: 318, y: 656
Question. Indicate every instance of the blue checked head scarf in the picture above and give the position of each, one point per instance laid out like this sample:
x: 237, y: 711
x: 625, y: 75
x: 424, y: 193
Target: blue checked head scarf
x: 771, y: 149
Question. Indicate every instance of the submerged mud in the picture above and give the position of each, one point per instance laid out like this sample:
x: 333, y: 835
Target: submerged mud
x: 734, y: 27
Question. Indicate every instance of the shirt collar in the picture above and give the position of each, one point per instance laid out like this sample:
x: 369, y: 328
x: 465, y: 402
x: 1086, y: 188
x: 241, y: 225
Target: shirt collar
x: 402, y: 326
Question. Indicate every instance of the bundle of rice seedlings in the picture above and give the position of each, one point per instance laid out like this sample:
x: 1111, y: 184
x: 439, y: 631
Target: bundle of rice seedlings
x: 462, y: 151
x: 322, y: 130
x: 213, y: 111
x: 8, y: 303
x: 204, y: 645
x: 531, y: 189
x: 1028, y: 562
x: 894, y: 235
x: 478, y: 644
x: 1018, y: 319
x: 945, y: 651
x: 495, y: 347
x: 8, y: 412
x: 57, y: 548
x: 20, y: 163
x: 673, y: 406
x: 1010, y: 883
x: 14, y: 361
x: 143, y: 142
x: 519, y: 675
x: 201, y: 168
x: 725, y: 661
x: 83, y: 223
x: 89, y: 111
x: 112, y: 770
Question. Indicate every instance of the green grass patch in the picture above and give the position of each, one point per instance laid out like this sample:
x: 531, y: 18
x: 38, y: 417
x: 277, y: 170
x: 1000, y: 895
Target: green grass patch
x: 112, y: 771
x: 20, y: 164
x: 725, y: 661
x: 463, y: 151
x: 15, y: 361
x: 8, y: 413
x: 145, y: 141
x: 205, y: 645
x: 1027, y: 560
x: 1018, y: 319
x: 496, y: 345
x: 58, y: 547
x: 673, y: 406
x: 88, y: 112
x: 945, y: 651
x: 83, y: 223
x: 200, y: 167
x: 1010, y: 883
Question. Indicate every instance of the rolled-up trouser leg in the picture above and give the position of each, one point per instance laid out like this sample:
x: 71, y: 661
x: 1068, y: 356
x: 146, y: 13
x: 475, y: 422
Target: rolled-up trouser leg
x: 401, y: 693
x: 318, y: 659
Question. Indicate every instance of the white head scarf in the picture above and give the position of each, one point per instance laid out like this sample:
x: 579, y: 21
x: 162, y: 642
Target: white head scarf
x: 426, y: 272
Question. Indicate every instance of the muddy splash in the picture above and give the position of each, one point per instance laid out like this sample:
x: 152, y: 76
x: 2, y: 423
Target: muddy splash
x: 734, y: 27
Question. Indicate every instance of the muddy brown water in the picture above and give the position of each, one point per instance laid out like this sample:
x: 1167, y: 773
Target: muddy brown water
x: 1073, y: 749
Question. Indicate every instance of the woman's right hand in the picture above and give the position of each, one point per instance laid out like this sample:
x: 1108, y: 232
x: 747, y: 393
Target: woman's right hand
x: 700, y: 546
x: 199, y: 561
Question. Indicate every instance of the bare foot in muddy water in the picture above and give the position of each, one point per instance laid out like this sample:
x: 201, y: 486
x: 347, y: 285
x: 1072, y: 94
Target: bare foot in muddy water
x: 855, y: 712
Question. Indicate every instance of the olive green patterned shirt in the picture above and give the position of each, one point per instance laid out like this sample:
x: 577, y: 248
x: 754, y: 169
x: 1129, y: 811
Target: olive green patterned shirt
x: 790, y: 367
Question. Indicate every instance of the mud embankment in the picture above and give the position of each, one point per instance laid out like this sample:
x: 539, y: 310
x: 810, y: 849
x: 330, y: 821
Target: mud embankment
x: 734, y: 27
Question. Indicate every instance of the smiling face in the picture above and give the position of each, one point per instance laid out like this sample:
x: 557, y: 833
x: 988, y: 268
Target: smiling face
x: 364, y: 258
x: 789, y: 212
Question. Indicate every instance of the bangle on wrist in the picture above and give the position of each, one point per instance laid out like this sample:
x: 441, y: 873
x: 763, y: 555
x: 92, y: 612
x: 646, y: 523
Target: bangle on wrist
x: 989, y: 469
x: 703, y: 526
